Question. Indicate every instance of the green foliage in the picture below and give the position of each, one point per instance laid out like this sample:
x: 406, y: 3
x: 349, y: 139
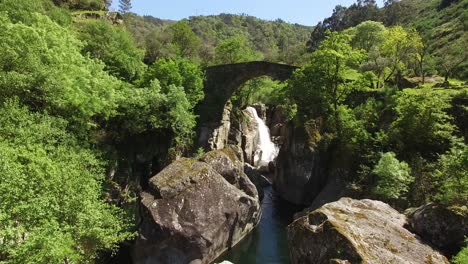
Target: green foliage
x: 461, y: 257
x: 322, y: 85
x: 452, y: 175
x: 42, y: 65
x: 276, y: 41
x: 367, y: 35
x: 23, y: 11
x: 84, y: 4
x: 184, y: 39
x: 422, y: 125
x: 178, y: 72
x: 51, y: 204
x: 393, y: 177
x: 260, y: 90
x: 234, y: 50
x: 399, y: 46
x: 114, y: 46
x: 440, y: 26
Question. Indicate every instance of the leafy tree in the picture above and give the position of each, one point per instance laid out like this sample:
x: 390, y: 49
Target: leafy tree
x: 114, y: 46
x: 393, y: 177
x: 452, y: 175
x: 399, y: 47
x: 83, y: 4
x: 234, y: 50
x: 43, y: 66
x: 184, y: 39
x: 451, y: 56
x: 125, y: 6
x: 367, y: 35
x: 180, y: 73
x: 51, y: 206
x: 24, y: 11
x: 326, y: 78
x: 422, y: 125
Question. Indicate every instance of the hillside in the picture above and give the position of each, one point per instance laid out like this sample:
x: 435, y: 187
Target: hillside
x: 270, y: 40
x: 442, y: 24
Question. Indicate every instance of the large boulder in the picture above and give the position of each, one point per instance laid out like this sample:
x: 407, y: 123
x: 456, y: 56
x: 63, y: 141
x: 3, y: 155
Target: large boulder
x: 194, y: 211
x: 442, y: 227
x: 300, y: 172
x: 356, y: 231
x: 257, y: 179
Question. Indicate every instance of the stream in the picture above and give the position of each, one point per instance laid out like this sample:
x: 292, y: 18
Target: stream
x: 267, y: 244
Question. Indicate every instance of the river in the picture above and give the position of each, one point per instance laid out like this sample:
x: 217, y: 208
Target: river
x: 267, y: 244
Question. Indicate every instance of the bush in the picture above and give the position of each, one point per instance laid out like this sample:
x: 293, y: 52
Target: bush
x: 461, y: 257
x: 393, y: 177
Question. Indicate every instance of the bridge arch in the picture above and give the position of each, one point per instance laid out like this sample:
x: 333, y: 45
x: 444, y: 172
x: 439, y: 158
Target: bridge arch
x: 223, y: 80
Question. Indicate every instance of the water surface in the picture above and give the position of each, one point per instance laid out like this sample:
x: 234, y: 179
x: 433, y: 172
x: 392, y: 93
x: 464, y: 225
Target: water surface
x: 267, y: 243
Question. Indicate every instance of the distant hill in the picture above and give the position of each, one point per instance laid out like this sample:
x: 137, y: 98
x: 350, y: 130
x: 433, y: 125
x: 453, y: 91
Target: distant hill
x: 274, y: 40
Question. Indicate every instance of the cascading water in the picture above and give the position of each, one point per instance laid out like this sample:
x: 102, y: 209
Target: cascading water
x: 266, y: 150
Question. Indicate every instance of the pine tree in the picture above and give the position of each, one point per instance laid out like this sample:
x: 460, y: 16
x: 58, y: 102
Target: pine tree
x: 125, y: 6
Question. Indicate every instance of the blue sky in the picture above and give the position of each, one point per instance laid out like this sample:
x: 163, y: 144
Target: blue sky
x: 305, y: 12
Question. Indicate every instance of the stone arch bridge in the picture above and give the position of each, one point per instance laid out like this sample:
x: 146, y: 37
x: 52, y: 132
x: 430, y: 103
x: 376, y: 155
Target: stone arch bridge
x: 222, y: 81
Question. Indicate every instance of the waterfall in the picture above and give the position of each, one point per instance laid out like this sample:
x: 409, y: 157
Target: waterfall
x: 266, y: 150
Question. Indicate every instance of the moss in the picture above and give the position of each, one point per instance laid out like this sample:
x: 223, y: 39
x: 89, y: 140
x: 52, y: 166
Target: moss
x: 231, y: 154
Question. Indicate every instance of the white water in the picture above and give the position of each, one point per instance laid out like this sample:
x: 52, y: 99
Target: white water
x: 266, y: 150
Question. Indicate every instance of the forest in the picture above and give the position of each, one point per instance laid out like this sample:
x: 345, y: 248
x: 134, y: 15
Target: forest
x: 85, y: 93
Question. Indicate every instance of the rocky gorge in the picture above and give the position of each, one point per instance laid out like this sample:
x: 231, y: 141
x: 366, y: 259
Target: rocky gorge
x: 197, y: 209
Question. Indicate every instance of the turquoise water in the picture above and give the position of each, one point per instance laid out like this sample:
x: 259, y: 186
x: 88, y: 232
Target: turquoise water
x: 267, y: 244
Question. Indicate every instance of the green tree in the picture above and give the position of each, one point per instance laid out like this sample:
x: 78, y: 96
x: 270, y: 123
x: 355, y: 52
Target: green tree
x: 125, y: 6
x: 184, y: 39
x: 234, y: 50
x: 367, y: 35
x: 24, y: 11
x: 51, y: 205
x: 393, y: 177
x: 400, y: 46
x: 422, y: 125
x: 43, y: 66
x: 452, y: 55
x: 114, y: 46
x: 179, y: 72
x: 324, y: 84
x: 452, y: 175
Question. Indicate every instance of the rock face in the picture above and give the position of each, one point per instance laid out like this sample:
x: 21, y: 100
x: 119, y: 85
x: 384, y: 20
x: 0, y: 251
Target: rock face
x: 356, y: 231
x: 216, y: 138
x: 299, y: 174
x: 440, y: 226
x: 249, y: 132
x: 239, y: 131
x: 194, y: 211
x: 257, y: 179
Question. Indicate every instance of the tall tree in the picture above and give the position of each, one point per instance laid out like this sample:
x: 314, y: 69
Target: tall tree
x: 451, y: 56
x: 320, y: 87
x: 399, y: 47
x: 184, y: 39
x: 125, y: 6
